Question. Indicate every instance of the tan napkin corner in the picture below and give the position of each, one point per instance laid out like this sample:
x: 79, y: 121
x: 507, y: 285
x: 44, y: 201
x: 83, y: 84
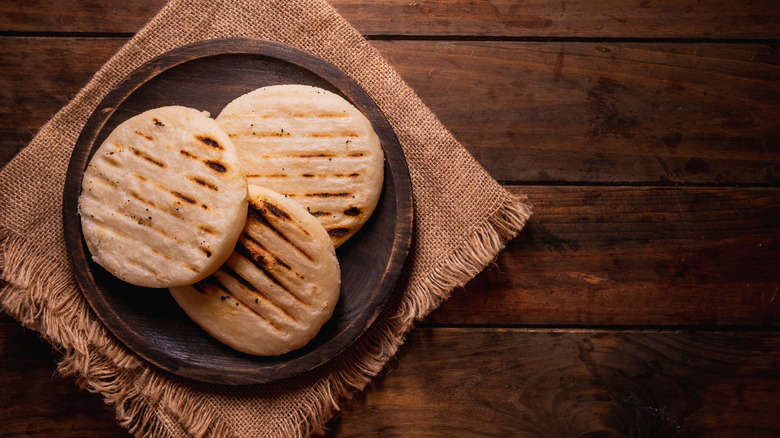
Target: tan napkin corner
x: 463, y: 218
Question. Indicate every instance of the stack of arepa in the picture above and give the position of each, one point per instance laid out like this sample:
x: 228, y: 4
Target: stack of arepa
x: 238, y: 216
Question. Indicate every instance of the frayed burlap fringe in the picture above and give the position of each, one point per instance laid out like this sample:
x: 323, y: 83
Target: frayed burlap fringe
x: 369, y: 357
x: 44, y: 296
x: 477, y: 251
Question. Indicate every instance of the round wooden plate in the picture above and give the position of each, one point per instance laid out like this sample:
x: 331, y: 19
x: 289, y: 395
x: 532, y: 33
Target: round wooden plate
x: 208, y: 75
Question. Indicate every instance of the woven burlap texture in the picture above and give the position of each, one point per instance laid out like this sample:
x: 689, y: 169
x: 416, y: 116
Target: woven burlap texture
x: 463, y: 219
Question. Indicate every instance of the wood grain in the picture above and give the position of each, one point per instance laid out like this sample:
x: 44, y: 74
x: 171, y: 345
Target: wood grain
x: 535, y: 112
x: 633, y: 256
x: 487, y: 382
x: 544, y: 383
x: 35, y: 402
x: 38, y: 76
x: 505, y: 18
x: 646, y: 134
x: 604, y: 112
x: 77, y: 15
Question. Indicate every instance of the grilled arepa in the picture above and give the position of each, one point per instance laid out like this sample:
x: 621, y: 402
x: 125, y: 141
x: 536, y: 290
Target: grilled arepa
x: 312, y: 146
x: 163, y: 199
x: 279, y: 287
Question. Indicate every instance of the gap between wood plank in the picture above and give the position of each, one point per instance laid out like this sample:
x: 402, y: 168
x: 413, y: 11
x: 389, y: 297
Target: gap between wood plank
x: 578, y: 39
x: 486, y: 38
x: 602, y: 328
x: 6, y: 320
x: 641, y: 184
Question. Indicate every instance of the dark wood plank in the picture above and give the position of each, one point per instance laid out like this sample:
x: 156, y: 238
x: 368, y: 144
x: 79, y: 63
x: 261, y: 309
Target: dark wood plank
x: 38, y: 76
x: 529, y: 112
x: 604, y: 112
x: 610, y: 18
x: 633, y: 256
x: 37, y: 403
x: 627, y: 256
x: 77, y: 15
x: 525, y: 383
x: 504, y: 18
x: 486, y: 382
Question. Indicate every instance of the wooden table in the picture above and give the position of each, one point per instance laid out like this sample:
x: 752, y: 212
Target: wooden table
x: 641, y: 299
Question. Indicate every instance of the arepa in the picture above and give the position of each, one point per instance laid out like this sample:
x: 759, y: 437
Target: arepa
x: 277, y: 290
x: 313, y: 146
x: 163, y: 198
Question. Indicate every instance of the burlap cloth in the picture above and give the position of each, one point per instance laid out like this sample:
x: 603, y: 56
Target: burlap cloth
x: 463, y: 218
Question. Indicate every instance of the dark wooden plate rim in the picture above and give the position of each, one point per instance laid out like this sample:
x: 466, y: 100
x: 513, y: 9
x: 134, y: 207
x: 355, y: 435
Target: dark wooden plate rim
x: 396, y: 171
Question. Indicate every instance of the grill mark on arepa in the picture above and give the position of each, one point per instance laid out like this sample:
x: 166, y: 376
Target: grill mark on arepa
x: 260, y: 262
x: 338, y: 232
x: 146, y: 136
x: 271, y: 175
x: 145, y: 222
x: 215, y: 166
x: 203, y: 183
x: 257, y: 214
x: 277, y: 260
x: 331, y: 135
x: 307, y: 115
x: 304, y: 175
x: 146, y: 268
x: 278, y: 212
x: 266, y: 134
x: 308, y: 155
x: 149, y: 158
x: 320, y: 115
x: 320, y: 195
x: 183, y: 197
x: 104, y: 179
x: 208, y: 141
x: 195, y: 270
x: 187, y: 153
x: 161, y: 254
x: 206, y: 229
x: 225, y: 292
x: 208, y: 281
x: 352, y: 211
x: 186, y: 198
x: 151, y: 204
x: 248, y: 286
x: 111, y: 161
x: 317, y: 155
